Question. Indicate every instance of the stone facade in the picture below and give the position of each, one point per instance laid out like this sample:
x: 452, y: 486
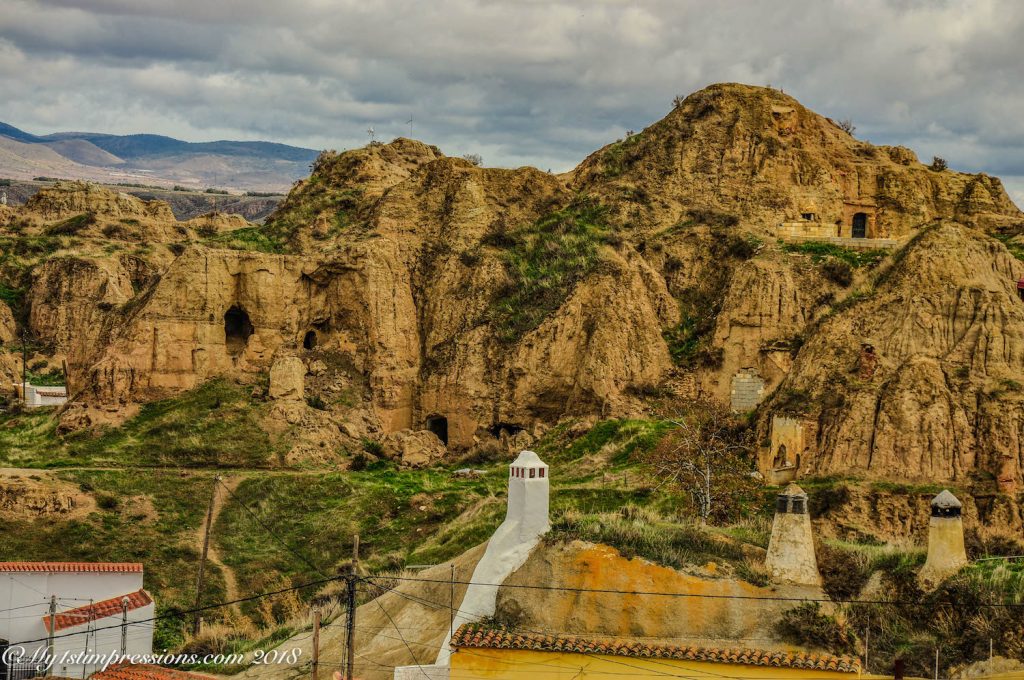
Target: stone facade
x: 747, y: 390
x: 792, y: 441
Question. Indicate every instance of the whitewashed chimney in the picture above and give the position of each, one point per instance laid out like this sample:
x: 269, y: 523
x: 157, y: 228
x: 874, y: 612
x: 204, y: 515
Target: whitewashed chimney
x: 791, y: 556
x: 528, y: 495
x: 946, y: 551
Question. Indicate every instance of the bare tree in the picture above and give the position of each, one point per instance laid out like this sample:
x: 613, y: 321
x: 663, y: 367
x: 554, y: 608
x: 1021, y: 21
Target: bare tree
x: 474, y: 158
x: 706, y: 454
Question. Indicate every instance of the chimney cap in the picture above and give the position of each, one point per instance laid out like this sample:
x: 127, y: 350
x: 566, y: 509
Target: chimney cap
x: 793, y: 490
x: 529, y: 459
x: 946, y: 500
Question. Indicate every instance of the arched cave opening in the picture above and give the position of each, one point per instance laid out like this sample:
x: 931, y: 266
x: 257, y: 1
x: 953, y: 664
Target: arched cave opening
x: 310, y: 340
x: 439, y: 426
x: 510, y: 429
x: 237, y: 329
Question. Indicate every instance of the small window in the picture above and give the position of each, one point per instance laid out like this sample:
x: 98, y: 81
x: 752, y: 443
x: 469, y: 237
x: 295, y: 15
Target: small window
x: 542, y: 471
x: 533, y: 473
x: 809, y: 217
x: 798, y: 506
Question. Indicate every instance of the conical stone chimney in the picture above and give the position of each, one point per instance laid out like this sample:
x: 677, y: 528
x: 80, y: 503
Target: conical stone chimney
x: 791, y: 548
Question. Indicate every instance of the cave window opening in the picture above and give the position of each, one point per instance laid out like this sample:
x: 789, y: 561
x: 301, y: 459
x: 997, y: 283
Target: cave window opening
x: 860, y: 225
x: 439, y: 426
x: 237, y: 329
x: 309, y: 341
x: 807, y: 217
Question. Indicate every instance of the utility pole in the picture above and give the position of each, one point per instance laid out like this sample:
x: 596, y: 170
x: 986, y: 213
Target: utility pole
x: 867, y: 643
x: 202, y: 560
x: 124, y: 626
x: 451, y: 607
x: 350, y: 626
x: 53, y: 623
x: 316, y: 641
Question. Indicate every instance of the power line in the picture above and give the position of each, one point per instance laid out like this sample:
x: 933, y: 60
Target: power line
x: 612, y: 591
x: 271, y: 531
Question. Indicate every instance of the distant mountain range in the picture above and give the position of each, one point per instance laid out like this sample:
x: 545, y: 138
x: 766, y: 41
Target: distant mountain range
x: 152, y: 159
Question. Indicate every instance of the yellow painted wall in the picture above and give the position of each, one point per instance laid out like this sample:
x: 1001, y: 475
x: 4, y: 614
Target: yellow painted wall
x: 515, y: 664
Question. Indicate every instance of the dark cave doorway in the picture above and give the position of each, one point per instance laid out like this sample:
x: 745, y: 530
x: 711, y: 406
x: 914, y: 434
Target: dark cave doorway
x: 860, y: 225
x: 310, y: 340
x: 237, y: 329
x: 439, y: 426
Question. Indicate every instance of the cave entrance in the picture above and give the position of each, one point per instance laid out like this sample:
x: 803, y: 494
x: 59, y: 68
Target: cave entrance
x: 860, y: 225
x: 309, y: 342
x: 439, y: 426
x: 510, y: 429
x: 237, y: 329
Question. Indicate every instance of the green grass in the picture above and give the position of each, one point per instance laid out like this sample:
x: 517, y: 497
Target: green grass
x: 544, y: 262
x: 214, y: 425
x: 820, y: 250
x: 619, y: 156
x: 255, y: 239
x: 1016, y: 249
x: 638, y: 532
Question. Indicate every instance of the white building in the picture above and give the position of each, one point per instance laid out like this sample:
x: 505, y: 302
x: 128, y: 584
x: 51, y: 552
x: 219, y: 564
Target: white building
x: 91, y: 601
x: 35, y: 396
x: 526, y: 521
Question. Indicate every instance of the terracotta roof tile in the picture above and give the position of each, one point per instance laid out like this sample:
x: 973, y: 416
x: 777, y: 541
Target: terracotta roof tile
x: 98, y: 610
x: 126, y: 671
x: 72, y: 567
x: 472, y: 635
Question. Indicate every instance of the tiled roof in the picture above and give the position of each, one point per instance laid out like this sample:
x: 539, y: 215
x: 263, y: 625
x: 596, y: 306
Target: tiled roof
x: 98, y: 610
x: 482, y: 637
x: 144, y: 671
x: 74, y: 567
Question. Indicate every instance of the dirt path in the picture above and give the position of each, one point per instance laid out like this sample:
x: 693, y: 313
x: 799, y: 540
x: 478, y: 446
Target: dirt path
x: 212, y: 554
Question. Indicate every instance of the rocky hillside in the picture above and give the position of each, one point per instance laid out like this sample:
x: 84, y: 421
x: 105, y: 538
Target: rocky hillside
x: 420, y: 292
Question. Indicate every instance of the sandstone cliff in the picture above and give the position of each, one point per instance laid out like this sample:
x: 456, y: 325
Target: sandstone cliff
x: 423, y: 292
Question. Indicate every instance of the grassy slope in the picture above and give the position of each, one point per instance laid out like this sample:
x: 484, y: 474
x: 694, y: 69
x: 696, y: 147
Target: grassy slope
x: 404, y: 516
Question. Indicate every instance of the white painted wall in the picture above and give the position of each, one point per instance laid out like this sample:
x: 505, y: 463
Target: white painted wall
x: 37, y: 395
x: 102, y: 639
x: 25, y: 598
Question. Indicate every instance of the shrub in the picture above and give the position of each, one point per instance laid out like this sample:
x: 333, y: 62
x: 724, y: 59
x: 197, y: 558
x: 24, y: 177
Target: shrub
x: 713, y: 218
x: 847, y: 126
x: 938, y: 164
x: 107, y: 502
x: 806, y: 625
x: 317, y: 402
x: 474, y: 158
x: 838, y: 272
x: 359, y: 462
x: 373, y: 447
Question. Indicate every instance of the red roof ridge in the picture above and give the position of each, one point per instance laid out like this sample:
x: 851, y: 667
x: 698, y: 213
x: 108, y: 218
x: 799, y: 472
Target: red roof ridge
x: 474, y: 635
x: 98, y: 610
x: 145, y: 671
x: 61, y: 567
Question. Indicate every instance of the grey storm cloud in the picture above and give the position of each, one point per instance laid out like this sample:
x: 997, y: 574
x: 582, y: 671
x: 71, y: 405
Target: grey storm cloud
x: 521, y: 81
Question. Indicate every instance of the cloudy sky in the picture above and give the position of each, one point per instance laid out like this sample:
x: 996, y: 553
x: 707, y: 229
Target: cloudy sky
x: 519, y: 81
